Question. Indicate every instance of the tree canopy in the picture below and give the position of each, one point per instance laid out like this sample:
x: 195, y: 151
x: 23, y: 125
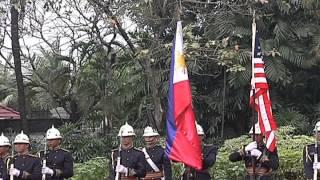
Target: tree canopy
x: 109, y: 60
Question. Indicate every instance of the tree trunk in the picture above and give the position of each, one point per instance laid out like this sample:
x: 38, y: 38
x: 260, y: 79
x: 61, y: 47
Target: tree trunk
x: 153, y: 80
x: 17, y: 65
x: 75, y: 115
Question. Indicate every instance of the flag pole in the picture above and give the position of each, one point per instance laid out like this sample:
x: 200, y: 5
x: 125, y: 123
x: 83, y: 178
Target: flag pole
x: 179, y: 10
x: 254, y: 29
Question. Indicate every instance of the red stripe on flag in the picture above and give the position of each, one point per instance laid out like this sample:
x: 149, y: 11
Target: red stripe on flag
x: 259, y: 75
x: 259, y: 65
x: 268, y: 109
x: 187, y: 146
x: 262, y: 105
x: 182, y: 98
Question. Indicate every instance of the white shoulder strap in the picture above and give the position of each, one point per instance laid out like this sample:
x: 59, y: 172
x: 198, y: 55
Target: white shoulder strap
x: 149, y: 160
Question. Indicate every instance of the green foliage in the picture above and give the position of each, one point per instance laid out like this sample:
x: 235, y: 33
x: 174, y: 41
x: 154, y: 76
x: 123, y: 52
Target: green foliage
x: 94, y: 169
x: 294, y: 119
x: 177, y: 170
x: 225, y: 169
x: 85, y: 143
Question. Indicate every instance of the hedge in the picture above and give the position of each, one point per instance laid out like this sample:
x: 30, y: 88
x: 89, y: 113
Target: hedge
x: 290, y: 149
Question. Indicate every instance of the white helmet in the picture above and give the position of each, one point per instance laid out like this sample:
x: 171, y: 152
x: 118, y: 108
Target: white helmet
x: 21, y: 138
x: 149, y: 131
x: 256, y: 129
x: 199, y: 129
x: 126, y: 130
x: 53, y: 133
x: 317, y: 126
x: 4, y: 141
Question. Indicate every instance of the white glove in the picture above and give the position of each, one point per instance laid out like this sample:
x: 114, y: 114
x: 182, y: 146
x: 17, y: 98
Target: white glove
x: 316, y: 166
x: 121, y: 169
x: 251, y: 146
x: 256, y: 153
x: 14, y: 172
x: 262, y: 1
x: 46, y: 170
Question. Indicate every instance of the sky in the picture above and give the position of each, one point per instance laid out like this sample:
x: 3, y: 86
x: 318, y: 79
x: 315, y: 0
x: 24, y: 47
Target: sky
x: 54, y: 27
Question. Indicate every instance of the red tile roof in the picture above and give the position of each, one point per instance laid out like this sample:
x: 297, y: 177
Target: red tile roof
x: 8, y: 113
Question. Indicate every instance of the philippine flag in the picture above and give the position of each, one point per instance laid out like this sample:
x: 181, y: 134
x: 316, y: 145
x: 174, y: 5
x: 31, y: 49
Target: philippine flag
x: 182, y: 141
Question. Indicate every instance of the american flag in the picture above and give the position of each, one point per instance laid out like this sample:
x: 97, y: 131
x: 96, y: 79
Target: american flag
x: 262, y: 103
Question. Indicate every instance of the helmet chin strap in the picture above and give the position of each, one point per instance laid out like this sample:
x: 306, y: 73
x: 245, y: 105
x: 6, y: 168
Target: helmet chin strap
x: 127, y: 146
x: 24, y: 152
x: 150, y: 144
x: 4, y: 153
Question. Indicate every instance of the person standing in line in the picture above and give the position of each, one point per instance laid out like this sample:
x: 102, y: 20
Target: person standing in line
x: 127, y: 162
x: 58, y: 161
x: 209, y: 153
x: 265, y: 162
x: 25, y: 165
x: 158, y: 163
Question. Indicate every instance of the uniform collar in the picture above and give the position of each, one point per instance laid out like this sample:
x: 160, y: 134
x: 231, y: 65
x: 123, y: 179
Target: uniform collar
x: 261, y: 144
x: 152, y: 147
x: 127, y: 149
x: 23, y: 154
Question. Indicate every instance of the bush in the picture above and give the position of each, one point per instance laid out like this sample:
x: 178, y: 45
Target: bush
x: 85, y: 144
x: 94, y: 169
x: 290, y: 149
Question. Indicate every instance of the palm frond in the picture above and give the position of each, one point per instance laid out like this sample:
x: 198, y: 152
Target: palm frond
x: 275, y: 70
x: 289, y: 55
x: 9, y: 100
x: 283, y: 32
x: 240, y: 78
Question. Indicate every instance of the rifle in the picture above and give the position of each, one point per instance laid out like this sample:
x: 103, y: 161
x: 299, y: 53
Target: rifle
x: 190, y: 174
x: 118, y: 158
x: 12, y: 159
x: 315, y: 156
x: 44, y: 160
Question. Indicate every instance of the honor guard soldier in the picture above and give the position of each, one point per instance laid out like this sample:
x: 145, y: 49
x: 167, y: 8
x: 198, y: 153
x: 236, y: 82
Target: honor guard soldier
x: 127, y: 162
x: 158, y: 164
x: 311, y: 154
x: 57, y: 163
x: 25, y: 165
x: 265, y: 162
x: 209, y: 153
x: 4, y: 157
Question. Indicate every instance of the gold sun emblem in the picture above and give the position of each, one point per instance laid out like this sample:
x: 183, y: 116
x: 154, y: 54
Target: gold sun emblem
x: 181, y: 63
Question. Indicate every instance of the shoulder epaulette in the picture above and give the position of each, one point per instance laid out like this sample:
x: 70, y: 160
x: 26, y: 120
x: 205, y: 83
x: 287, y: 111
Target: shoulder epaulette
x: 64, y: 150
x: 39, y: 153
x: 208, y: 144
x: 159, y: 146
x: 310, y: 145
x: 113, y: 150
x: 138, y: 149
x: 31, y: 155
x: 9, y: 157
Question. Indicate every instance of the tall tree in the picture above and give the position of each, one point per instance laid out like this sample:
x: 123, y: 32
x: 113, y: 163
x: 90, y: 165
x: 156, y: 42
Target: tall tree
x: 17, y: 6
